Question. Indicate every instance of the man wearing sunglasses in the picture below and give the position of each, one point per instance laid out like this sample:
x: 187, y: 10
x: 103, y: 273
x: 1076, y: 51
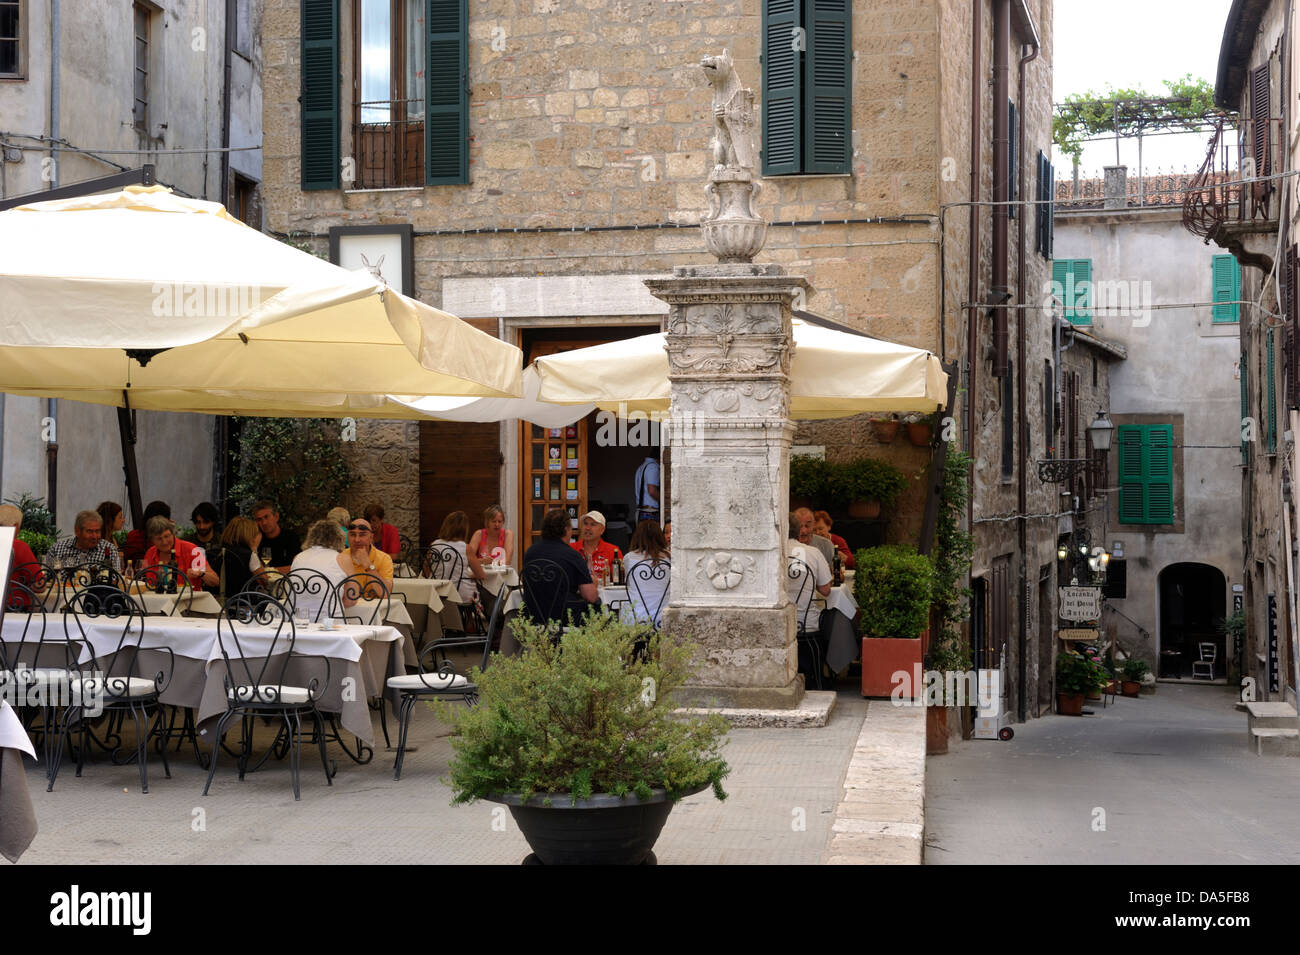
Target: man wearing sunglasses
x: 363, y: 557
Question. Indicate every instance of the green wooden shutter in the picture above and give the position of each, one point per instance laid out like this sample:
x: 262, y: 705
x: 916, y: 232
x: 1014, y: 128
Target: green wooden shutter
x: 1146, y: 473
x: 1270, y: 412
x: 827, y: 88
x: 1227, y: 289
x: 782, y: 87
x: 320, y: 94
x: 1245, y: 407
x: 447, y: 97
x: 1070, y: 275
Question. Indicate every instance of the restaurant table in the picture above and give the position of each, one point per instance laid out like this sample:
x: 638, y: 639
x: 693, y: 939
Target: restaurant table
x: 433, y: 605
x: 844, y: 647
x: 495, y: 577
x: 203, y: 603
x: 17, y: 818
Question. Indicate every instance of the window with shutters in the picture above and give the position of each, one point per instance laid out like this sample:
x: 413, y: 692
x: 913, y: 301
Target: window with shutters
x: 1072, y: 284
x: 1046, y: 207
x: 807, y: 70
x: 1270, y: 393
x: 1227, y: 289
x: 1146, y: 473
x: 1244, y: 373
x: 13, y: 60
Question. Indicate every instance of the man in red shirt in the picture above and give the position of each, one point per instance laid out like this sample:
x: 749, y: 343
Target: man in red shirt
x: 599, y: 553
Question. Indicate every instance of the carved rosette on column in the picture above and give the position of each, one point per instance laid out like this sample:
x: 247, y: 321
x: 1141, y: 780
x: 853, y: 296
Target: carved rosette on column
x: 729, y: 352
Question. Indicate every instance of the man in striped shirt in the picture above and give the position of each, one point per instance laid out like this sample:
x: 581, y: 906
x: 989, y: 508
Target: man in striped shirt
x: 85, y: 547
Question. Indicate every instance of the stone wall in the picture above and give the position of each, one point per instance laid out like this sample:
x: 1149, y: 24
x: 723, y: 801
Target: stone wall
x: 385, y: 457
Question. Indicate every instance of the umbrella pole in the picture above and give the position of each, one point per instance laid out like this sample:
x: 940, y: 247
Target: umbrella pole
x: 127, y: 433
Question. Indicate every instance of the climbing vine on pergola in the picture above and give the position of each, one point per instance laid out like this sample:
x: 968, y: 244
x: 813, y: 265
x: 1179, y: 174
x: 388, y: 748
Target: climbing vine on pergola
x: 1188, y: 105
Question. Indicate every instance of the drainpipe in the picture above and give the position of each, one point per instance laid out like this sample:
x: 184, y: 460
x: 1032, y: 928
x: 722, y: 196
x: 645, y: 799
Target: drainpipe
x: 1022, y: 490
x: 1001, y: 172
x: 52, y: 404
x: 231, y: 17
x: 973, y: 265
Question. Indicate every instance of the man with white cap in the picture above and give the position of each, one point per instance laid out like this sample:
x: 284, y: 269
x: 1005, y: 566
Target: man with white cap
x: 598, y: 552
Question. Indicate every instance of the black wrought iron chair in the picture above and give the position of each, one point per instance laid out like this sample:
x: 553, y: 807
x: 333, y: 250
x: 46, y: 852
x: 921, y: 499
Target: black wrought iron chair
x: 545, y: 587
x: 444, y: 682
x: 309, y: 594
x: 647, y: 583
x: 91, y: 575
x: 255, y: 680
x: 407, y: 561
x: 446, y: 563
x: 106, y: 676
x: 27, y: 678
x: 369, y: 595
x: 807, y: 642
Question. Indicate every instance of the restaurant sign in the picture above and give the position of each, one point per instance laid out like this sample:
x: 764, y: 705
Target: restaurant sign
x: 1080, y: 603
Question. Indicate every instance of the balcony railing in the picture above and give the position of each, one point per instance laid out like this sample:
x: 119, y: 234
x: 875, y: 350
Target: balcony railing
x: 1222, y: 193
x: 389, y: 141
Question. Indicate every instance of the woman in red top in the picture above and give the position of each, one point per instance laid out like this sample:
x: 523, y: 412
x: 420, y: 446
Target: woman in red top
x: 493, y: 543
x: 168, y: 551
x: 822, y: 525
x: 385, y: 535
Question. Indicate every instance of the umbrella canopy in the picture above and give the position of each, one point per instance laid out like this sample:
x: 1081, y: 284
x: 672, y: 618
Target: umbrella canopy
x: 188, y: 309
x: 528, y: 408
x: 833, y: 375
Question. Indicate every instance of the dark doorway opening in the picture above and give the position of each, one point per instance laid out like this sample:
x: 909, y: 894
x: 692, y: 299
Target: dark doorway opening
x: 1193, y: 599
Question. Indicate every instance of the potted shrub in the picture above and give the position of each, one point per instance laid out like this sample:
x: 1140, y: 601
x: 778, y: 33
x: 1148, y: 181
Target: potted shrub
x: 893, y: 586
x: 953, y: 548
x: 886, y: 429
x: 919, y: 430
x: 810, y: 481
x: 1131, y: 676
x: 1075, y: 676
x: 580, y: 739
x: 864, y: 485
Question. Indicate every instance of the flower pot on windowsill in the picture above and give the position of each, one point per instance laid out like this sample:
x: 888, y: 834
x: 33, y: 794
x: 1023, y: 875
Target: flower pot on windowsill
x: 885, y: 429
x: 1069, y: 704
x: 864, y: 510
x: 893, y: 664
x: 919, y: 433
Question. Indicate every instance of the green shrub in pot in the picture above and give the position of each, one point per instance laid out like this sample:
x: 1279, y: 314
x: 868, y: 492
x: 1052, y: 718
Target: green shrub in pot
x: 893, y: 586
x: 1074, y: 673
x: 810, y: 479
x: 866, y: 479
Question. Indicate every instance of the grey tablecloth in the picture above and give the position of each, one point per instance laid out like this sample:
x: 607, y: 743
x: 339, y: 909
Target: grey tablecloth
x: 17, y: 817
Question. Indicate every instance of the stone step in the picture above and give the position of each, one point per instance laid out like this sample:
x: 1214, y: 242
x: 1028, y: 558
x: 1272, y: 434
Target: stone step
x: 1286, y: 742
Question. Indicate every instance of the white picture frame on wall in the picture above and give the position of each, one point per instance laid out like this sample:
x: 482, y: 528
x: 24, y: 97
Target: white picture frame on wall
x: 383, y: 250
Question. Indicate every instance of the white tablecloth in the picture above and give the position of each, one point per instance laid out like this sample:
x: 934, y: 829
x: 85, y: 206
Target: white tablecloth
x: 843, y: 647
x: 203, y: 603
x: 492, y: 583
x: 17, y: 818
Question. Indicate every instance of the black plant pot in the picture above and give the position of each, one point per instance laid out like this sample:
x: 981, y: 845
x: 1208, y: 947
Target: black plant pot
x: 602, y: 830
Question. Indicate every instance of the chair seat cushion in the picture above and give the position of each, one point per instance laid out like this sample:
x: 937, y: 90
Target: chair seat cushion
x: 268, y: 693
x: 117, y: 687
x: 431, y: 682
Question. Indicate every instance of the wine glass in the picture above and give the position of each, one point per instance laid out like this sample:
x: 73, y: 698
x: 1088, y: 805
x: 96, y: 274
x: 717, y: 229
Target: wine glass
x: 265, y: 555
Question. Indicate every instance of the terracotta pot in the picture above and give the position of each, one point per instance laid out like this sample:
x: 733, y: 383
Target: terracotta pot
x: 864, y: 510
x: 936, y: 730
x: 886, y: 431
x: 1069, y: 704
x: 1112, y: 687
x: 892, y: 665
x: 1130, y: 687
x: 1092, y: 695
x: 919, y: 433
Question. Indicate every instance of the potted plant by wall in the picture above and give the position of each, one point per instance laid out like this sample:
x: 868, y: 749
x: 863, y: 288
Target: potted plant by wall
x: 919, y: 429
x: 886, y: 429
x: 810, y: 481
x: 1075, y: 676
x: 580, y: 739
x: 1131, y: 676
x: 893, y: 586
x: 953, y: 549
x: 864, y: 485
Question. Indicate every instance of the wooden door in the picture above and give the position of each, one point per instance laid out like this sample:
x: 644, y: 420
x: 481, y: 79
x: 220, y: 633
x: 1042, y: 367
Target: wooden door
x: 460, y: 470
x: 552, y: 464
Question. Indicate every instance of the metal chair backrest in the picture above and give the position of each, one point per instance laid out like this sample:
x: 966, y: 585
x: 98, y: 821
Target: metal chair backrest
x: 546, y: 589
x: 368, y: 587
x: 168, y: 580
x: 92, y: 575
x: 246, y: 664
x: 497, y: 617
x: 803, y: 600
x: 23, y: 606
x: 645, y: 578
x: 310, y: 590
x: 33, y: 576
x: 116, y: 657
x: 446, y: 563
x: 407, y: 561
x: 1209, y: 652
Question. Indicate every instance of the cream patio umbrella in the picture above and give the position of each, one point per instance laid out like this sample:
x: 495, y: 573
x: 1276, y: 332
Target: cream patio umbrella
x: 177, y: 304
x: 833, y: 375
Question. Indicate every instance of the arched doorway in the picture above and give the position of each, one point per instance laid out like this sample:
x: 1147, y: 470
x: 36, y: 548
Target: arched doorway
x: 1193, y: 601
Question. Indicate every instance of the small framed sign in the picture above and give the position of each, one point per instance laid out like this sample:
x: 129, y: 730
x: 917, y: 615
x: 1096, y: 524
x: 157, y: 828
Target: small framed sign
x: 383, y: 250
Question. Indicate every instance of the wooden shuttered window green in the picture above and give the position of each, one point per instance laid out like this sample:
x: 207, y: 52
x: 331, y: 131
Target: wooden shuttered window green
x: 1146, y: 473
x: 1270, y: 394
x: 1244, y: 375
x: 1227, y: 289
x: 320, y: 94
x: 1046, y: 183
x: 807, y: 84
x: 1073, y: 278
x: 446, y: 145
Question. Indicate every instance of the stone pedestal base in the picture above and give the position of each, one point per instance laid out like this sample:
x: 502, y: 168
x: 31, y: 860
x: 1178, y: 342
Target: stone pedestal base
x: 749, y: 658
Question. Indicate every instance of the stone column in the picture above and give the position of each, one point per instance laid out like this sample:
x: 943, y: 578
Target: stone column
x: 729, y: 351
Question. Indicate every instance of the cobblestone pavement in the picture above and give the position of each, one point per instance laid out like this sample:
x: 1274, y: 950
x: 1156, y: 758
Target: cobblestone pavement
x: 783, y: 789
x: 1170, y: 775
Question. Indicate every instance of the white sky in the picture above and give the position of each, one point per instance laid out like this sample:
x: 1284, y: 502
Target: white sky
x: 1136, y: 43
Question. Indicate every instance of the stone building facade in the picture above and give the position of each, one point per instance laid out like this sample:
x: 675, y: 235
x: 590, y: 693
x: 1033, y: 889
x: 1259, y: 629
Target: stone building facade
x: 587, y: 132
x: 113, y: 77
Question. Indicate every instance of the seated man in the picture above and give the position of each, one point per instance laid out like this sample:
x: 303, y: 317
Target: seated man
x: 806, y: 535
x: 800, y: 589
x: 363, y: 557
x: 85, y: 547
x: 282, y: 542
x: 576, y: 592
x: 599, y: 553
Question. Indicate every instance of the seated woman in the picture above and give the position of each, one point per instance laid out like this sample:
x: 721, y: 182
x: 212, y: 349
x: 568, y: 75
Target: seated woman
x: 452, y: 534
x: 236, y: 560
x: 491, y: 543
x: 137, y: 540
x: 111, y: 514
x: 186, y: 558
x: 647, y: 588
x: 321, y: 551
x: 822, y: 525
x: 385, y: 535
